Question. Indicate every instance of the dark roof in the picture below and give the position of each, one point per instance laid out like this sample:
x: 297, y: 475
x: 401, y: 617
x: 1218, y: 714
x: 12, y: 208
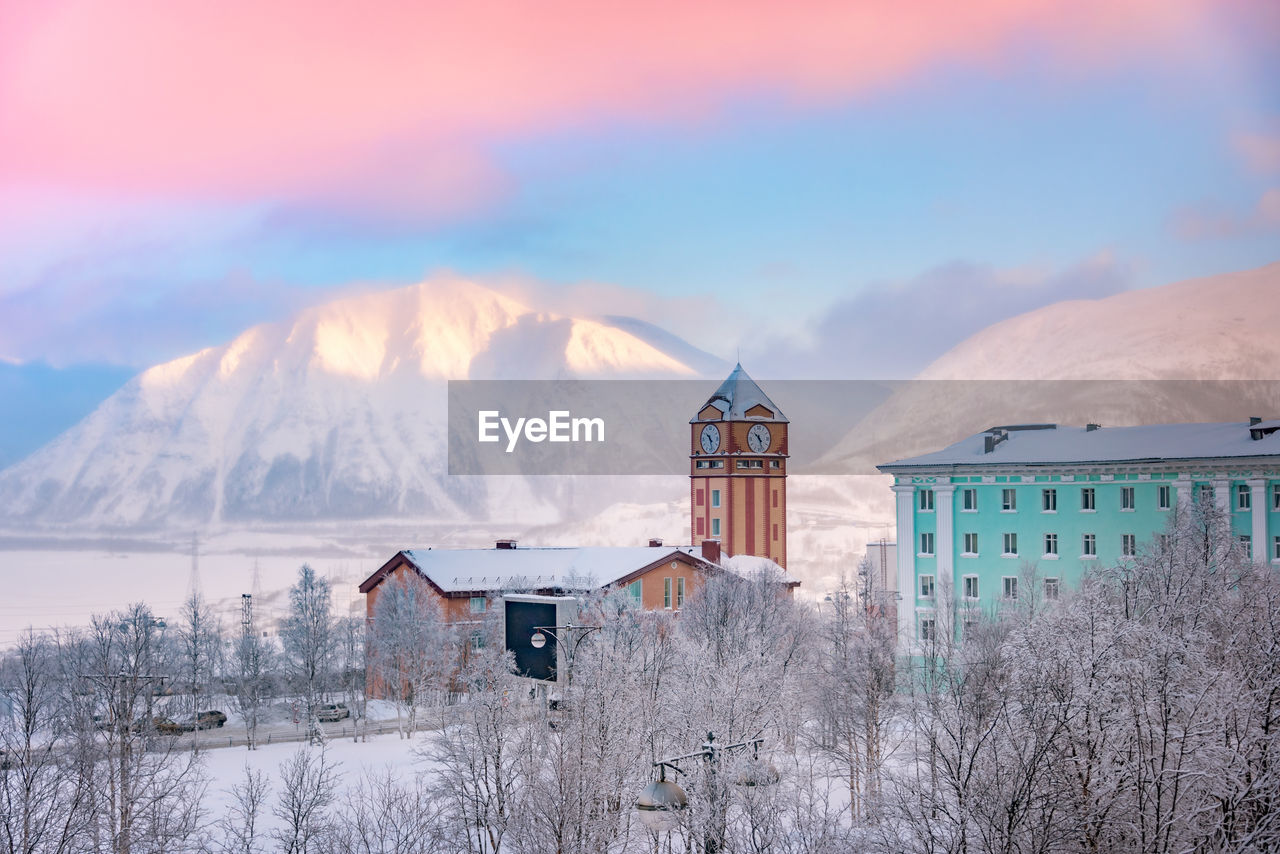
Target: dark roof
x: 737, y: 395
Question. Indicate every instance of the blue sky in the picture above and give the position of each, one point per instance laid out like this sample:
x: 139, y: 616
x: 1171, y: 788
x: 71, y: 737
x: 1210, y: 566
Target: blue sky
x: 1015, y: 172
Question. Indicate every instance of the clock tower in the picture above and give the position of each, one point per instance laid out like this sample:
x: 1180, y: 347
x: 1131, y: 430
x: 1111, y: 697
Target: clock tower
x: 738, y: 471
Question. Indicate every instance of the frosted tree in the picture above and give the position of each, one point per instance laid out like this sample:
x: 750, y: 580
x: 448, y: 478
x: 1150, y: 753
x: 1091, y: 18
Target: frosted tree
x: 240, y: 824
x: 853, y: 689
x: 307, y: 639
x: 253, y: 661
x: 353, y: 667
x: 413, y: 649
x: 482, y: 757
x: 388, y: 814
x: 145, y: 790
x: 44, y: 800
x: 307, y: 790
x: 199, y: 648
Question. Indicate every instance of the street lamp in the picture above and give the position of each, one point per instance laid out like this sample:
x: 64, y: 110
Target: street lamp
x: 569, y: 637
x: 661, y: 803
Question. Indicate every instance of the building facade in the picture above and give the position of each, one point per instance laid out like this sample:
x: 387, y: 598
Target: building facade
x: 465, y: 582
x: 1067, y: 499
x: 738, y: 450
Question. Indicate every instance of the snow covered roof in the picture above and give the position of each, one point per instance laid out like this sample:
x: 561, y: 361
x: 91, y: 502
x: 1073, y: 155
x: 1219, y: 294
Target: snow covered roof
x: 578, y: 568
x: 753, y: 567
x: 585, y: 568
x: 1051, y: 444
x: 737, y: 395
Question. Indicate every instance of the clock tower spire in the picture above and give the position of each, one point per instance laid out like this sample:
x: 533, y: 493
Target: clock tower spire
x: 738, y: 471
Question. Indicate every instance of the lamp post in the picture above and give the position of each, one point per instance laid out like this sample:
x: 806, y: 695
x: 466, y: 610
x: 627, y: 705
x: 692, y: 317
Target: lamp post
x: 662, y: 802
x: 567, y: 637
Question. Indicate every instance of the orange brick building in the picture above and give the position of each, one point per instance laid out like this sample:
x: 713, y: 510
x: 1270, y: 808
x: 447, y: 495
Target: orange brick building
x: 738, y: 450
x: 737, y: 497
x: 658, y: 577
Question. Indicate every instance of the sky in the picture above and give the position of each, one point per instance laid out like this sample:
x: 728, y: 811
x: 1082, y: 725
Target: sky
x: 807, y: 183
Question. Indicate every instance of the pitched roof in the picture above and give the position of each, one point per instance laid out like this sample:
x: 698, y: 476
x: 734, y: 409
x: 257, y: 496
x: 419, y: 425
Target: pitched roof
x: 737, y: 395
x: 585, y: 568
x: 1052, y: 444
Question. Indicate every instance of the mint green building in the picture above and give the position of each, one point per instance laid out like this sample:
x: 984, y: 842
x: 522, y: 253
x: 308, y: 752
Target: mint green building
x: 1066, y: 499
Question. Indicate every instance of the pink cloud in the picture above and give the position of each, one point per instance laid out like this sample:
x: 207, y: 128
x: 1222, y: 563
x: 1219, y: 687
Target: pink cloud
x: 392, y: 103
x: 1261, y: 151
x: 1208, y: 223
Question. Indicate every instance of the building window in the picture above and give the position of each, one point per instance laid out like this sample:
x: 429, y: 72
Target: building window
x: 1275, y: 497
x: 969, y: 500
x: 477, y: 641
x: 1011, y: 545
x: 970, y: 625
x: 1244, y: 499
x: 1164, y: 497
x: 698, y: 497
x: 715, y: 498
x: 680, y: 592
x: 1126, y: 498
x: 1162, y: 542
x: 1090, y: 545
x: 715, y: 527
x: 775, y: 464
x: 479, y: 604
x: 666, y: 593
x: 1128, y: 545
x: 971, y: 587
x: 636, y: 590
x: 928, y: 630
x: 1010, y: 586
x: 1051, y: 545
x: 926, y: 500
x: 926, y: 543
x: 971, y: 544
x: 1206, y: 493
x: 926, y: 587
x: 1275, y: 550
x: 1049, y: 500
x: 1087, y: 501
x: 709, y: 464
x: 1008, y: 500
x: 1051, y: 588
x: 1246, y: 545
x: 750, y: 464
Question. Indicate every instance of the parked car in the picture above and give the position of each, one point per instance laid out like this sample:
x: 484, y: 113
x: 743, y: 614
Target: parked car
x: 332, y: 712
x: 159, y: 723
x: 211, y: 719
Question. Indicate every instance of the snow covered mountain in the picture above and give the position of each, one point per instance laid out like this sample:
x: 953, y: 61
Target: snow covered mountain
x: 339, y: 414
x: 1161, y: 352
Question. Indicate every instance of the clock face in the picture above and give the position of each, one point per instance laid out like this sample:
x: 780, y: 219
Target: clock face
x: 710, y: 438
x: 758, y: 438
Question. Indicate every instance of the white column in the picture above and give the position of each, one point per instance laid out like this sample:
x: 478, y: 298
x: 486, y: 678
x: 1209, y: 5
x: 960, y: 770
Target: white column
x: 1258, y: 510
x: 944, y: 509
x: 906, y: 565
x: 1222, y: 495
x: 1183, y: 487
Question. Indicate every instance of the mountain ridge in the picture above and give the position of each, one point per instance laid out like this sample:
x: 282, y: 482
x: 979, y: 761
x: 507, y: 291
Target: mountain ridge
x: 331, y: 414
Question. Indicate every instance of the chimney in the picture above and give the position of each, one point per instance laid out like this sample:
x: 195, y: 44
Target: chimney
x: 1089, y: 428
x: 711, y: 551
x: 1254, y: 419
x: 655, y: 543
x: 505, y: 544
x: 994, y: 437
